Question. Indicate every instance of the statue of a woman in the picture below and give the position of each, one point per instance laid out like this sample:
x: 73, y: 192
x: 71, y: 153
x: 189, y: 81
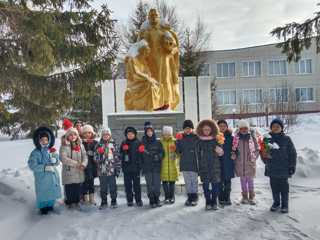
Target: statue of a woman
x: 142, y: 91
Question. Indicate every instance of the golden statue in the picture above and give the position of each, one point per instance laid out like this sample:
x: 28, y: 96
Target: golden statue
x: 142, y: 91
x: 162, y: 63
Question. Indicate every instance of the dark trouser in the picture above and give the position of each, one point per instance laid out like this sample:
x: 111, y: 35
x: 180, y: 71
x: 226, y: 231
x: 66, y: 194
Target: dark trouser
x: 169, y: 189
x: 211, y: 194
x: 72, y: 193
x: 132, y: 186
x: 280, y: 191
x: 153, y: 185
x: 88, y: 186
x: 225, y: 190
x: 108, y: 184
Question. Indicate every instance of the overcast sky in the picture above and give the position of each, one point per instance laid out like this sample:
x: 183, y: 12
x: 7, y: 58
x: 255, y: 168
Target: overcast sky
x: 233, y: 23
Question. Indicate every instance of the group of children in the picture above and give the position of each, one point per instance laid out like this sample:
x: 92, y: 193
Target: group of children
x: 211, y: 151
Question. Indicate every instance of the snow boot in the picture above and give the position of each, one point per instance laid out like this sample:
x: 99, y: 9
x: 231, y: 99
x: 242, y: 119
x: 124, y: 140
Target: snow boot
x: 139, y: 203
x: 188, y: 201
x: 114, y: 203
x: 194, y: 199
x: 244, y: 199
x: 86, y: 199
x: 104, y: 204
x: 275, y: 207
x: 251, y: 198
x: 284, y: 210
x: 158, y: 202
x: 214, y: 204
x: 91, y: 199
x: 44, y: 211
x: 130, y: 204
x: 208, y: 205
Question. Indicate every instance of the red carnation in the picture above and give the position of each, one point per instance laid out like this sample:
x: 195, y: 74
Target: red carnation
x: 125, y: 147
x: 179, y: 136
x: 101, y: 150
x: 141, y: 149
x: 77, y: 148
x: 67, y: 124
x: 52, y: 150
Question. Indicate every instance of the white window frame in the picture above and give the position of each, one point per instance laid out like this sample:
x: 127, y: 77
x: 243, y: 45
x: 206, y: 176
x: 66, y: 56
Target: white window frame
x: 201, y: 74
x: 305, y: 66
x: 254, y: 65
x: 227, y: 90
x: 235, y: 70
x: 280, y: 74
x: 276, y: 89
x: 250, y: 89
x: 307, y: 101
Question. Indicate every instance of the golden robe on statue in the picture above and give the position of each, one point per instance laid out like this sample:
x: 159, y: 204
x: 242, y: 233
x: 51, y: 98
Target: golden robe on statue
x: 153, y: 74
x: 163, y: 60
x: 142, y: 91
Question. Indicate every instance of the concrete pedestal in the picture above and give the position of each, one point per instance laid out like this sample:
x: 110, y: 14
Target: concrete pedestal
x: 117, y: 122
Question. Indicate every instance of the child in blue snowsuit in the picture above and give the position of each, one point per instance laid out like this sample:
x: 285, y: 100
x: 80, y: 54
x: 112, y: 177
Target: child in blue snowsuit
x: 43, y: 161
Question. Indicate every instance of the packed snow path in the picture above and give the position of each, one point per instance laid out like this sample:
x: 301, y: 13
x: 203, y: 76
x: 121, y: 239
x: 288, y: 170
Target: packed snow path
x: 20, y: 220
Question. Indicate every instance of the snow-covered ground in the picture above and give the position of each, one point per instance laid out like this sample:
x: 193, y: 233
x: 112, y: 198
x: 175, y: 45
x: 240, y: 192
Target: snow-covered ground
x: 19, y: 218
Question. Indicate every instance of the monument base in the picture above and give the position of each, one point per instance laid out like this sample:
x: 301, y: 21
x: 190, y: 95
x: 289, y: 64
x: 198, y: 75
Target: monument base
x: 118, y: 122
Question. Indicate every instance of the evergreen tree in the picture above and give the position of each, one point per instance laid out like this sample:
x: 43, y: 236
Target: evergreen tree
x: 51, y: 53
x: 298, y: 36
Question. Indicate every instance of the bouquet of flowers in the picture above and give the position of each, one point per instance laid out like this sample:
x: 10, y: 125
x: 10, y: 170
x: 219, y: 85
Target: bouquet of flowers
x: 220, y: 138
x: 266, y: 146
x: 54, y: 157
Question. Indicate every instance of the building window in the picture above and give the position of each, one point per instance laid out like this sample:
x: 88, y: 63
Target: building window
x: 304, y: 95
x: 251, y: 69
x: 226, y: 97
x: 252, y: 96
x: 278, y: 67
x: 278, y: 95
x: 205, y: 69
x: 304, y: 66
x: 225, y: 70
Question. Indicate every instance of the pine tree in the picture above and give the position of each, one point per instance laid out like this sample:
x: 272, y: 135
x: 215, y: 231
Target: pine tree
x: 51, y: 53
x: 298, y: 36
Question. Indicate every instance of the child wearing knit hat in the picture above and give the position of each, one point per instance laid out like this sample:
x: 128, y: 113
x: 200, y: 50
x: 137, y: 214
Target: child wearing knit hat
x: 186, y: 148
x: 109, y: 165
x: 280, y: 164
x: 169, y: 165
x: 131, y: 151
x: 245, y: 151
x: 89, y: 143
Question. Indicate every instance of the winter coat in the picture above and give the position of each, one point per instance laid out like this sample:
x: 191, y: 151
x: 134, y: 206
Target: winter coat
x: 109, y: 163
x: 47, y: 183
x: 91, y: 169
x: 152, y: 156
x: 70, y: 159
x: 169, y: 164
x: 208, y: 161
x: 131, y: 159
x: 227, y: 163
x: 282, y: 159
x: 186, y: 147
x: 247, y: 151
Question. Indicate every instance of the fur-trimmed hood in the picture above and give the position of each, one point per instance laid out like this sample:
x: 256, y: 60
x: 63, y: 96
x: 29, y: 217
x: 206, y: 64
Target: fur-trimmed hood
x: 208, y: 122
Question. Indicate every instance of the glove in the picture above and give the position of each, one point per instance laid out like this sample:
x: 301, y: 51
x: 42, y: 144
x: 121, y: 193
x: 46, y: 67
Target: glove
x: 49, y: 168
x: 219, y: 151
x: 292, y: 170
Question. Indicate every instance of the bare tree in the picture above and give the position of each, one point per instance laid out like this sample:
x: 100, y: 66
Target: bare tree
x: 192, y: 55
